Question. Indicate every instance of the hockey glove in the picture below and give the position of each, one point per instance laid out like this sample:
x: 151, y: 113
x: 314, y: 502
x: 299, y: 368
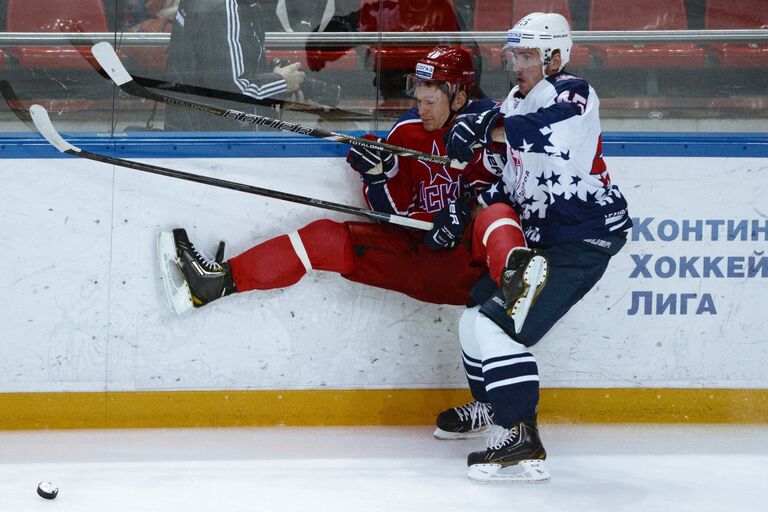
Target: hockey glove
x: 371, y: 164
x: 469, y: 132
x: 449, y: 225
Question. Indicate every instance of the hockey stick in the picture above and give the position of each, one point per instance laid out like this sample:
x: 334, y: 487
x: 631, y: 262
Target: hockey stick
x: 164, y: 85
x: 196, y: 90
x: 15, y: 104
x: 110, y: 62
x: 45, y: 127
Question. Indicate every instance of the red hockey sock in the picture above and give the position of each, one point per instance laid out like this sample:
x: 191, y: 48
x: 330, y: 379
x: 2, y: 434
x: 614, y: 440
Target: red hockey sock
x: 283, y: 261
x: 497, y: 231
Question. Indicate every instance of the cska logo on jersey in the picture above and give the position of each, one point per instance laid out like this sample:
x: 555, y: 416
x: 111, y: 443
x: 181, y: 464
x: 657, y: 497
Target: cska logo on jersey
x: 437, y: 171
x: 441, y: 188
x: 434, y: 197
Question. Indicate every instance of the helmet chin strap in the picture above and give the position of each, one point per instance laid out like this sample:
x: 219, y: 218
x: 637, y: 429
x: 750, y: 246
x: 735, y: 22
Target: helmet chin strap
x: 454, y: 113
x: 449, y: 119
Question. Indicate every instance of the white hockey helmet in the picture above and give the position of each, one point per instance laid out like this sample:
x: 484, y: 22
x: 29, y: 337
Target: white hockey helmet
x: 546, y: 32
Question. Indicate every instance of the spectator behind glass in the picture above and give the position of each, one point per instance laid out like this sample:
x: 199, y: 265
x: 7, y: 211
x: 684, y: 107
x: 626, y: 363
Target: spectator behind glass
x: 149, y: 16
x: 298, y: 16
x: 219, y: 44
x: 313, y: 16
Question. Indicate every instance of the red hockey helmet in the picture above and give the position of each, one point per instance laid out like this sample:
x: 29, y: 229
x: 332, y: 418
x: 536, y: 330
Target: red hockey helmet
x: 451, y: 65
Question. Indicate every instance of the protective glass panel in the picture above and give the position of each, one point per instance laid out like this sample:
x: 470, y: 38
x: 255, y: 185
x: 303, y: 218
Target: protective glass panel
x: 353, y: 57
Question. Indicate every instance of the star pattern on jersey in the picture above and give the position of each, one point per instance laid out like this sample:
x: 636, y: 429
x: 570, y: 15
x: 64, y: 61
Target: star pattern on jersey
x: 560, y: 188
x: 435, y: 171
x: 538, y: 141
x: 549, y: 189
x: 493, y: 190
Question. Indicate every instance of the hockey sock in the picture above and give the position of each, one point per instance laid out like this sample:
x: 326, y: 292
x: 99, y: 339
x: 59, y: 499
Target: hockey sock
x: 284, y: 260
x: 470, y: 354
x: 510, y: 373
x: 497, y: 231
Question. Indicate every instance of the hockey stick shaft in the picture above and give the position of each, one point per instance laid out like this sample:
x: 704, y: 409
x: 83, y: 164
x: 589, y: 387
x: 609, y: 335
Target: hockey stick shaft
x: 110, y: 62
x: 165, y: 85
x: 45, y: 127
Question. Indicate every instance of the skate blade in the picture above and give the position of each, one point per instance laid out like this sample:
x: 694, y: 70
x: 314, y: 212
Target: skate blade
x: 444, y: 435
x: 524, y: 472
x: 535, y: 277
x: 176, y: 288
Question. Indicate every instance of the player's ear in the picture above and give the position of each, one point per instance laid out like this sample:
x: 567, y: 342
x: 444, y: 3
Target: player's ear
x: 554, y: 63
x: 459, y: 101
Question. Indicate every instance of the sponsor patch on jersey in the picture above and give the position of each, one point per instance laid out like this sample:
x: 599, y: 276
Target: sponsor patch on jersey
x: 424, y: 70
x: 514, y: 37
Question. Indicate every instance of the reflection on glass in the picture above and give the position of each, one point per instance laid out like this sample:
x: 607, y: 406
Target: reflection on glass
x: 354, y: 83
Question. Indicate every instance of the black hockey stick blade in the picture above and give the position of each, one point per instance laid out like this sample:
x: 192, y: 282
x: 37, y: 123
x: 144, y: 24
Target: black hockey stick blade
x: 45, y: 127
x: 110, y: 62
x: 15, y: 104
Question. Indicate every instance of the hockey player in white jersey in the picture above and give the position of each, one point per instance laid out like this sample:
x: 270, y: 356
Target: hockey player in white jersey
x: 556, y: 179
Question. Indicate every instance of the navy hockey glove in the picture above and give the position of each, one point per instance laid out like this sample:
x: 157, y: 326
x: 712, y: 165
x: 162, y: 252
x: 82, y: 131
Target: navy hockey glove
x: 469, y: 132
x: 449, y: 225
x: 371, y: 164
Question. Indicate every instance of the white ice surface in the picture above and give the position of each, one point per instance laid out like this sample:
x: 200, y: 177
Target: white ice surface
x: 594, y: 468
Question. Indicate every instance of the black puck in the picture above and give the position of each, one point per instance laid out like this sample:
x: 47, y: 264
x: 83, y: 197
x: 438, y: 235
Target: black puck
x: 47, y: 490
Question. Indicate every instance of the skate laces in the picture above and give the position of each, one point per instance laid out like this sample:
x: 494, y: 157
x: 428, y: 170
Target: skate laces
x: 476, y: 412
x: 499, y: 436
x: 206, y: 260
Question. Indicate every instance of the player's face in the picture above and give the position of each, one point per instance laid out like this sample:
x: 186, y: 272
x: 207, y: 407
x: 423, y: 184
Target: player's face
x: 434, y: 106
x: 526, y: 64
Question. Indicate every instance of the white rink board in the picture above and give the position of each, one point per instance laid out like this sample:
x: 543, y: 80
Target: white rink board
x: 84, y: 309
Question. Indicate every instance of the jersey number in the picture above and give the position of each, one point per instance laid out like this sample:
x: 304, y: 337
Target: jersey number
x: 573, y: 97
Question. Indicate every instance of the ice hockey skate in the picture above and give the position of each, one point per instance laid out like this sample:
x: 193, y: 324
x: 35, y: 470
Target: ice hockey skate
x: 191, y: 279
x: 464, y: 422
x: 514, y: 455
x: 521, y: 282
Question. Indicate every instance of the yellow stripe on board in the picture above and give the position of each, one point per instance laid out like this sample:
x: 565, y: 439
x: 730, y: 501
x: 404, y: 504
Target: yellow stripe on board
x: 364, y: 407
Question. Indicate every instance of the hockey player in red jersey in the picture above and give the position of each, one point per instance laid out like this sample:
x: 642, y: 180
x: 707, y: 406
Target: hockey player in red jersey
x: 440, y: 267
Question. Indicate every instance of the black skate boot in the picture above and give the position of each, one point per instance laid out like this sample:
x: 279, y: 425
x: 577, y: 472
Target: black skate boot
x: 464, y: 422
x: 513, y: 455
x: 201, y: 281
x: 521, y: 282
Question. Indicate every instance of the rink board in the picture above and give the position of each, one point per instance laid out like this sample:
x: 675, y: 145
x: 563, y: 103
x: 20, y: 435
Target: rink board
x: 84, y: 311
x: 249, y: 408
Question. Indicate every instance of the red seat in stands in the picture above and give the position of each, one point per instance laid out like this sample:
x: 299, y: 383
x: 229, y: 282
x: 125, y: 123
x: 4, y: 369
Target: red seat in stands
x: 56, y: 16
x: 738, y: 14
x: 151, y: 57
x: 404, y: 16
x: 492, y: 16
x: 643, y: 15
x: 579, y: 54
